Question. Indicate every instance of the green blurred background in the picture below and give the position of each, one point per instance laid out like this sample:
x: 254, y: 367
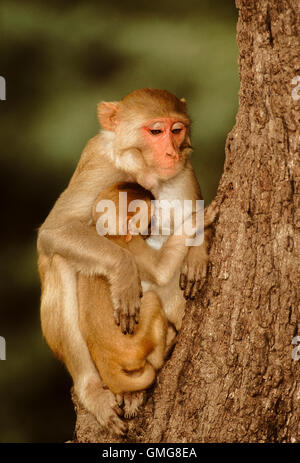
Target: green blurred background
x: 59, y: 60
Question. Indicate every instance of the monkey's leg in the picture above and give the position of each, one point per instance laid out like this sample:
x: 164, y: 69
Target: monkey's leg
x: 59, y: 313
x: 132, y: 402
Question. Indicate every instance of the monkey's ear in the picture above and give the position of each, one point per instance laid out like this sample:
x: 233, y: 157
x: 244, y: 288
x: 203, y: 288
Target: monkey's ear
x: 183, y: 100
x: 107, y: 112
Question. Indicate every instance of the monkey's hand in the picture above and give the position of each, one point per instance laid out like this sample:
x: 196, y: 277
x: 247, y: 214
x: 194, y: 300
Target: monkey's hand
x: 194, y: 268
x: 126, y: 292
x: 193, y: 271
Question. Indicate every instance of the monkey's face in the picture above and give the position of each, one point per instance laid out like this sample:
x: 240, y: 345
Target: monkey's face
x: 151, y: 125
x: 162, y: 142
x: 164, y: 139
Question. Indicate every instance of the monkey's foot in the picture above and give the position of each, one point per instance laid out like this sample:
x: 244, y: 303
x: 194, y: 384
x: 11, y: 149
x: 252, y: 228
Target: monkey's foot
x: 104, y: 405
x: 132, y: 402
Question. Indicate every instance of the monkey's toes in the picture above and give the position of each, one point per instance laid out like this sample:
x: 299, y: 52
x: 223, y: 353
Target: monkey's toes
x: 118, y: 426
x: 130, y: 414
x: 132, y: 402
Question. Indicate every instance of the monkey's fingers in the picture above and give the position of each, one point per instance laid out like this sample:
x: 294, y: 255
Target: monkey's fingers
x: 133, y: 319
x: 124, y: 322
x: 132, y: 324
x: 132, y: 402
x: 128, y: 321
x: 194, y: 284
x: 137, y: 316
x: 118, y: 410
x: 126, y: 298
x: 117, y: 314
x: 118, y: 426
x: 189, y: 289
x: 195, y: 289
x: 183, y: 281
x: 190, y: 285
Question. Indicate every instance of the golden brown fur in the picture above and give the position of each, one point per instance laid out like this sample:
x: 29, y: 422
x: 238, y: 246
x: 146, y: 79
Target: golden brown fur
x: 125, y: 363
x: 68, y: 243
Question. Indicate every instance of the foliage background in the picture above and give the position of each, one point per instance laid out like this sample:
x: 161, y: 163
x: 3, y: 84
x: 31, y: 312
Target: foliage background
x: 59, y: 59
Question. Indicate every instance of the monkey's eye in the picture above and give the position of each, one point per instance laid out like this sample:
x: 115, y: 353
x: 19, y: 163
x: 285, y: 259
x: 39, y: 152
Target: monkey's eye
x: 155, y: 132
x: 177, y: 127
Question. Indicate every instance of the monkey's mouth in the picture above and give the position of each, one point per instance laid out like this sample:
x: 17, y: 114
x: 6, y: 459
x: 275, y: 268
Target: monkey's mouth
x: 170, y: 171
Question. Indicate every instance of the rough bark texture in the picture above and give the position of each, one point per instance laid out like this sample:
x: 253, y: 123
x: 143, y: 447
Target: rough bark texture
x: 231, y: 377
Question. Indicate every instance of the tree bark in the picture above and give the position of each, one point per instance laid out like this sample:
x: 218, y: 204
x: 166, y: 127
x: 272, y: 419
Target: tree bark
x: 231, y: 377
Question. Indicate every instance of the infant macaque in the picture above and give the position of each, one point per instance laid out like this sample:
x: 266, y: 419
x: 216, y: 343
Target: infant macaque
x: 126, y: 363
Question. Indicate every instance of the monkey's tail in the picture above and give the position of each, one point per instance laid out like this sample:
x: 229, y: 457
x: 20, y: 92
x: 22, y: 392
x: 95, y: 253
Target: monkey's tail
x: 120, y: 380
x: 137, y: 380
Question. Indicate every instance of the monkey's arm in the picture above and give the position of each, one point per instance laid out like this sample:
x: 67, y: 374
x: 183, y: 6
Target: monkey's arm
x: 159, y: 266
x: 67, y: 232
x: 194, y: 266
x: 79, y: 243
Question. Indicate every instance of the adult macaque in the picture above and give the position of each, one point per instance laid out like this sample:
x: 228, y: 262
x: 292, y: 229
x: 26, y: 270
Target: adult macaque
x: 145, y: 139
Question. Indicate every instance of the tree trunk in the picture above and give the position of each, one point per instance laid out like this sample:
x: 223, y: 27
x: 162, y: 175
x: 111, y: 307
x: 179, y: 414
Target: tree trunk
x: 231, y: 377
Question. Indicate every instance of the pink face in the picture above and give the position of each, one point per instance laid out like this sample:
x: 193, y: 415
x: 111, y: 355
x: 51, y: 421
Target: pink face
x: 164, y: 136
